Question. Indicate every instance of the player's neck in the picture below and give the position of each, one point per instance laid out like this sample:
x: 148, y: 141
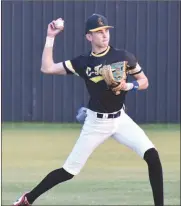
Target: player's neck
x: 98, y: 50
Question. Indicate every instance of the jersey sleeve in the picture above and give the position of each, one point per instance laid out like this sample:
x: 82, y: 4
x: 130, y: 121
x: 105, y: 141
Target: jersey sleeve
x: 74, y: 66
x: 133, y: 66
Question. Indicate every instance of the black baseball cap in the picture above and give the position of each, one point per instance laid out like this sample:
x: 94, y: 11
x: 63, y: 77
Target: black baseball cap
x: 96, y: 22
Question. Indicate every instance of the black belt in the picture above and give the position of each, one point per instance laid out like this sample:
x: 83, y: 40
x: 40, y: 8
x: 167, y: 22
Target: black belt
x: 109, y: 116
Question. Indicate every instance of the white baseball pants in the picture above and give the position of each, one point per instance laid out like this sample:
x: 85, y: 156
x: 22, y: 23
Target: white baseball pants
x: 96, y: 130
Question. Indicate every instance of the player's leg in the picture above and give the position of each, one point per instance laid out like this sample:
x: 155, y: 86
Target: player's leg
x: 131, y: 135
x: 94, y: 132
x: 90, y: 138
x: 53, y: 178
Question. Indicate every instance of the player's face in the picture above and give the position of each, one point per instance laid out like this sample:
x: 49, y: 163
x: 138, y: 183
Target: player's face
x: 100, y: 38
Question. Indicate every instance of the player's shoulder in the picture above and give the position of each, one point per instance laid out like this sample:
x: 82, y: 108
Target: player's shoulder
x: 80, y: 61
x: 125, y: 55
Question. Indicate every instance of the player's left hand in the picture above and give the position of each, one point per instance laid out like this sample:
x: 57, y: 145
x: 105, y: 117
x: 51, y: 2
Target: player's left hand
x: 121, y: 86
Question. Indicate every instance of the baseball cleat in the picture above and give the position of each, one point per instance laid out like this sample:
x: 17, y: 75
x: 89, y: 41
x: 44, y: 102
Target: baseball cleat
x: 22, y: 201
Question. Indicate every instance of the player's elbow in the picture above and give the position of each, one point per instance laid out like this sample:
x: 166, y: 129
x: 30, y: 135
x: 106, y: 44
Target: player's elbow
x: 146, y: 83
x: 47, y: 67
x: 45, y: 70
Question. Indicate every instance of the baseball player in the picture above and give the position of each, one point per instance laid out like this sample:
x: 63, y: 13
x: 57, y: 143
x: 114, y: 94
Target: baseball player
x: 104, y: 115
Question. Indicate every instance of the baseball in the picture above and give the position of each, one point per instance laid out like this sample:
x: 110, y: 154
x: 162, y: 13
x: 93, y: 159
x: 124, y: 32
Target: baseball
x: 59, y: 23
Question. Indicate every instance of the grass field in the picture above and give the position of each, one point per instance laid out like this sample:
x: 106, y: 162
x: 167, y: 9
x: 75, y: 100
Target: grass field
x: 114, y: 175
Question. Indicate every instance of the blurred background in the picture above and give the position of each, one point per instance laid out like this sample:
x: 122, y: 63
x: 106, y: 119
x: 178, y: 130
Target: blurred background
x: 149, y: 29
x: 38, y: 111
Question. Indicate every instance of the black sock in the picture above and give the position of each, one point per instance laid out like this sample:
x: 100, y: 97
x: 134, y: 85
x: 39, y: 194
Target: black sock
x: 53, y: 178
x: 155, y: 174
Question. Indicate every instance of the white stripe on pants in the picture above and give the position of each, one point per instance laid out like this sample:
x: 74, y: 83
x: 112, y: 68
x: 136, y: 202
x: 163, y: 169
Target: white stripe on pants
x: 96, y: 130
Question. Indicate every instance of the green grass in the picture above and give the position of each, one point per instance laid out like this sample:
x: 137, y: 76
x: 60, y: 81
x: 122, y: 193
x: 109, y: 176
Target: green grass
x: 113, y: 174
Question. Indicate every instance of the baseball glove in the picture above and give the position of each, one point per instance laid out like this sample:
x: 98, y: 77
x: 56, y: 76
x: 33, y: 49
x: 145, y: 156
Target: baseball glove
x: 113, y: 74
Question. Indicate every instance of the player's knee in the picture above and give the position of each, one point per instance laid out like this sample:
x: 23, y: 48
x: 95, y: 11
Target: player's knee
x: 66, y: 174
x: 151, y: 156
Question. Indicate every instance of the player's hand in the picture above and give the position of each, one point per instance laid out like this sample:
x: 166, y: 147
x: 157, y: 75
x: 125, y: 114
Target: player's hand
x: 54, y: 29
x: 121, y: 86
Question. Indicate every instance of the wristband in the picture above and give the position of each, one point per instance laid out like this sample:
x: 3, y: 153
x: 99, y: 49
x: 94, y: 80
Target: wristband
x: 135, y: 86
x: 49, y: 41
x: 129, y: 86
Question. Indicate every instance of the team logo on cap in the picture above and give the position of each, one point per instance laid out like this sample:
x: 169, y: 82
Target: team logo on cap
x: 100, y: 22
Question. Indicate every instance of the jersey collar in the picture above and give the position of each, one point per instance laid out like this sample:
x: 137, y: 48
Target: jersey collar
x: 102, y: 53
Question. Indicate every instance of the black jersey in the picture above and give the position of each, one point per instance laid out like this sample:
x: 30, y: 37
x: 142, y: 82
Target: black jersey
x: 102, y: 98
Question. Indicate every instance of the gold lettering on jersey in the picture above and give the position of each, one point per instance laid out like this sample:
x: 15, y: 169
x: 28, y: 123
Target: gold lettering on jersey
x: 94, y: 73
x: 88, y: 71
x: 97, y: 69
x: 96, y: 79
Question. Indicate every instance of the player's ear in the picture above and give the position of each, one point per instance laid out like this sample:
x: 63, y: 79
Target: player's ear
x: 89, y: 36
